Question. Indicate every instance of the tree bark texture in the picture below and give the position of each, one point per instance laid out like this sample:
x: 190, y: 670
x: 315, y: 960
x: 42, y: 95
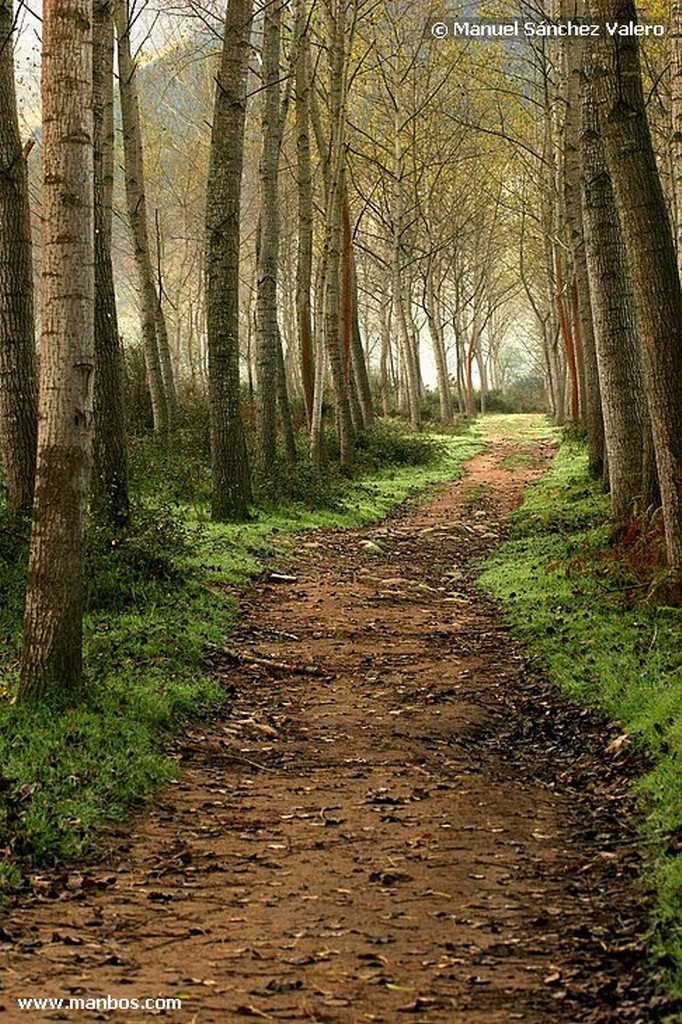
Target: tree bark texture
x: 230, y: 463
x: 615, y: 325
x: 432, y: 310
x: 162, y: 401
x: 268, y: 244
x: 651, y: 256
x: 339, y: 41
x: 110, y: 470
x: 304, y: 262
x: 676, y: 114
x: 583, y: 326
x: 52, y: 640
x: 18, y: 384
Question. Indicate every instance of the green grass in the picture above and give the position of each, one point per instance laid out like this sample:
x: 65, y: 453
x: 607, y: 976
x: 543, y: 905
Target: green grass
x: 158, y: 598
x: 604, y: 650
x: 520, y: 427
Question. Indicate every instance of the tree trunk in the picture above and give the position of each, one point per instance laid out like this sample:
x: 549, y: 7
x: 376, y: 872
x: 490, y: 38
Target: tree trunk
x: 359, y: 365
x: 231, y: 491
x: 268, y: 244
x: 304, y: 263
x: 333, y: 327
x: 560, y: 298
x: 339, y: 42
x: 284, y: 405
x: 614, y: 317
x: 676, y: 112
x: 385, y: 354
x: 583, y: 326
x: 110, y: 470
x: 431, y: 308
x: 52, y: 641
x: 356, y: 372
x: 162, y: 403
x: 651, y: 257
x: 18, y: 386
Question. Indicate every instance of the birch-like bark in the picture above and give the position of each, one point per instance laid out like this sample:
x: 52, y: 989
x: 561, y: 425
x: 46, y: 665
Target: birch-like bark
x: 230, y: 464
x: 110, y: 470
x: 614, y: 315
x: 52, y: 639
x: 269, y: 362
x: 18, y: 375
x: 159, y: 375
x: 339, y: 41
x: 304, y: 259
x: 676, y: 116
x: 652, y: 259
x: 583, y: 330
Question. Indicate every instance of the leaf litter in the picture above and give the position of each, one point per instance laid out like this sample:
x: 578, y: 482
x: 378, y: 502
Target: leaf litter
x: 398, y: 819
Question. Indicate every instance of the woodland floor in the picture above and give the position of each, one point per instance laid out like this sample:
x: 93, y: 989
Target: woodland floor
x: 402, y: 822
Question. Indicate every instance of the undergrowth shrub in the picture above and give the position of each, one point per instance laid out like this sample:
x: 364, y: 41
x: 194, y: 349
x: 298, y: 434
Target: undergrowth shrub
x: 392, y: 443
x: 123, y: 562
x: 14, y: 534
x: 632, y: 563
x: 300, y: 484
x: 178, y: 473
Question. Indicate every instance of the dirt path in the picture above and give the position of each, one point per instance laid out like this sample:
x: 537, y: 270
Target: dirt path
x: 410, y: 828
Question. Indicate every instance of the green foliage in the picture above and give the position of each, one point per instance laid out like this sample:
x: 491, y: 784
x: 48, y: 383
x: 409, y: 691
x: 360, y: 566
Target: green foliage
x: 392, y: 443
x: 179, y: 473
x: 124, y: 563
x: 137, y: 400
x: 566, y: 589
x: 13, y: 552
x: 526, y: 395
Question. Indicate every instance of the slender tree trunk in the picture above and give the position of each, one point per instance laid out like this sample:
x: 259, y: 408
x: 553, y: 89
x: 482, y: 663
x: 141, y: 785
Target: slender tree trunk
x: 333, y: 328
x: 614, y: 317
x: 304, y: 264
x: 359, y: 365
x: 651, y: 256
x: 356, y: 371
x: 18, y: 385
x: 339, y: 42
x: 583, y: 326
x: 400, y: 299
x: 110, y: 470
x: 268, y: 243
x: 230, y: 463
x: 482, y: 374
x: 385, y: 355
x: 431, y: 308
x: 676, y: 113
x: 566, y: 336
x: 317, y: 441
x: 52, y: 640
x: 162, y: 404
x: 410, y: 369
x: 167, y: 373
x: 468, y: 374
x: 284, y: 405
x: 317, y: 447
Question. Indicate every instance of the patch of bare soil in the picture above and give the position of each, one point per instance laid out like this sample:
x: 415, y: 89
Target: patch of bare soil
x: 399, y: 819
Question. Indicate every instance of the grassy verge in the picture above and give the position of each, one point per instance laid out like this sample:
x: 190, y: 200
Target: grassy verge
x: 157, y: 599
x: 603, y: 643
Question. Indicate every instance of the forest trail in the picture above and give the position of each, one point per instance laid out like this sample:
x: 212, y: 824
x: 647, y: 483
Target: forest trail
x: 401, y: 822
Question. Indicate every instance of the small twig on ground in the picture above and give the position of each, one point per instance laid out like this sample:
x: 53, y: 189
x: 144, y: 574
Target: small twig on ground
x: 277, y: 666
